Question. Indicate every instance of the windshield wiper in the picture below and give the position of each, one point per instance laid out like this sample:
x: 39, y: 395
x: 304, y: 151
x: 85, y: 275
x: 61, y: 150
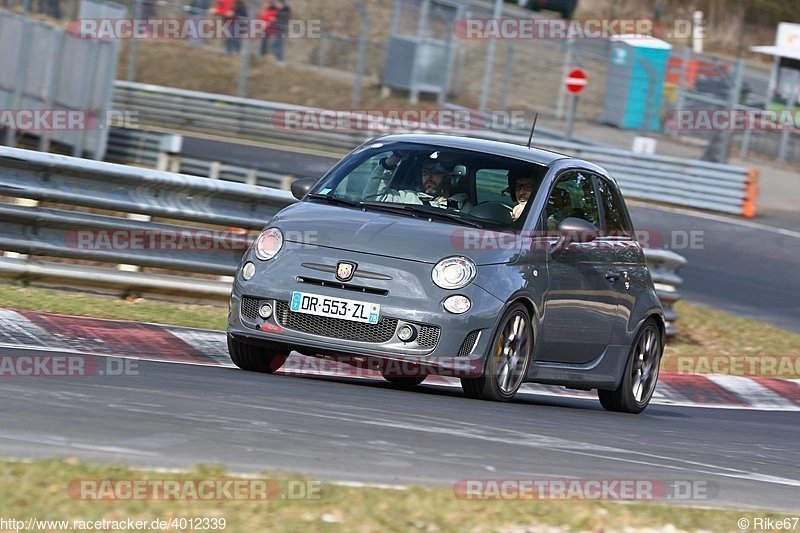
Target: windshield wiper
x: 394, y: 208
x: 409, y: 209
x: 334, y: 199
x: 443, y: 214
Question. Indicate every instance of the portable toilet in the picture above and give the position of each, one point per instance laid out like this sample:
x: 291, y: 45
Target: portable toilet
x: 635, y: 82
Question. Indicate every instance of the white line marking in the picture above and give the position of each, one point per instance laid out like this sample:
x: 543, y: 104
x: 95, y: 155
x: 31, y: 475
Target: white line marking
x: 529, y: 389
x: 718, y: 218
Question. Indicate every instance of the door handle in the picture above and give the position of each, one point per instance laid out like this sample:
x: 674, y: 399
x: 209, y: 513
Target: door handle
x: 613, y: 275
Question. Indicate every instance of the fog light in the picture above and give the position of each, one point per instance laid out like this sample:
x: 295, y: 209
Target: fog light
x: 407, y: 333
x: 248, y: 271
x: 457, y: 304
x: 265, y: 311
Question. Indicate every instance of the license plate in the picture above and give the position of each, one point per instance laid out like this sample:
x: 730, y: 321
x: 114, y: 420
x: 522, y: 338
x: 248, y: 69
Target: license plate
x: 315, y: 304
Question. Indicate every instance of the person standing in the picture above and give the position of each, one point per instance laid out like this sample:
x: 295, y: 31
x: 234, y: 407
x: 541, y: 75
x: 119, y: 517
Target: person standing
x: 281, y: 29
x: 268, y: 16
x: 225, y: 10
x: 239, y: 14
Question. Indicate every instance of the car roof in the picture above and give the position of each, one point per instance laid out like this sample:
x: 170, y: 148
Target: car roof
x: 532, y: 155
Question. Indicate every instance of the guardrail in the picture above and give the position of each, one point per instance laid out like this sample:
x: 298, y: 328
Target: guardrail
x: 691, y: 183
x: 143, y: 147
x: 663, y: 266
x: 128, y: 236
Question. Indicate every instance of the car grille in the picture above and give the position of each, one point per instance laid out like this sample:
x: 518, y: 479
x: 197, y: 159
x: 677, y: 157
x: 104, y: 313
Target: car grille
x: 428, y: 335
x: 336, y: 327
x: 250, y: 307
x: 469, y: 344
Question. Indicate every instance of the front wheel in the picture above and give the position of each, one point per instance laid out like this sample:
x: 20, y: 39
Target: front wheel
x: 507, y: 361
x: 255, y: 358
x: 641, y: 373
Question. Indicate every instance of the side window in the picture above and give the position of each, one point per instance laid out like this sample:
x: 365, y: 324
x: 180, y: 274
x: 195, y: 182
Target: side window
x: 616, y: 222
x: 572, y: 196
x: 490, y: 184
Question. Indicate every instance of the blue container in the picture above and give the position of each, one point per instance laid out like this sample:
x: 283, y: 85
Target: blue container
x: 635, y: 82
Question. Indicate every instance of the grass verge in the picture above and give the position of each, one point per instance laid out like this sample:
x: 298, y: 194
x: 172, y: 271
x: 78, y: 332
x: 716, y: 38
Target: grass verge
x: 702, y: 331
x: 40, y: 489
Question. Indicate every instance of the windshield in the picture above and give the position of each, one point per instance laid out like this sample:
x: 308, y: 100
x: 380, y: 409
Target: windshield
x: 445, y: 184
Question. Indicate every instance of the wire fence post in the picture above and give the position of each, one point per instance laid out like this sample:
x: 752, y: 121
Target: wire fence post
x: 490, y: 53
x: 133, y: 50
x: 421, y: 31
x: 733, y: 103
x: 785, y: 132
x: 244, y: 68
x: 562, y: 90
x: 362, y: 52
x: 23, y: 60
x: 508, y: 72
x: 681, y: 99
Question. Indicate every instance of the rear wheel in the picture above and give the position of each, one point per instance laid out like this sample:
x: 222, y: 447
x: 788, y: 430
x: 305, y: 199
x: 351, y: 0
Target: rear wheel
x: 508, y: 359
x: 641, y: 373
x: 255, y: 358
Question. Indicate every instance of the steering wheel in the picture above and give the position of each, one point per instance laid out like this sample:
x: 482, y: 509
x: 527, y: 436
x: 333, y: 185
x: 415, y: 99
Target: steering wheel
x: 493, y: 210
x: 508, y: 207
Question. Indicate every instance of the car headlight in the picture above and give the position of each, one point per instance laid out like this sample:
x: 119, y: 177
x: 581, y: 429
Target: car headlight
x: 268, y: 244
x: 454, y: 272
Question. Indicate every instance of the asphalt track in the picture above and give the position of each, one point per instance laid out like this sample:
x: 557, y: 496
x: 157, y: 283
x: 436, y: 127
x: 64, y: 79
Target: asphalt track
x: 175, y: 415
x: 747, y: 269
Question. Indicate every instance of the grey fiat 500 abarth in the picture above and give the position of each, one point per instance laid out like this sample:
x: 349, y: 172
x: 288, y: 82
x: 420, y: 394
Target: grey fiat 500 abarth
x: 434, y: 254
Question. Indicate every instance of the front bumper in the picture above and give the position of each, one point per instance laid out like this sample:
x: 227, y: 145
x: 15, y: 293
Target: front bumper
x: 407, y: 296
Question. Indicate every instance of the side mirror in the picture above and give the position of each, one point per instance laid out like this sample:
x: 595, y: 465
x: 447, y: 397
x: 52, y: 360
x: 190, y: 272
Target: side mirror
x: 573, y: 230
x: 301, y: 186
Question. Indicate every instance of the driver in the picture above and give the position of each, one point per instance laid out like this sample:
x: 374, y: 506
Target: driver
x: 433, y: 189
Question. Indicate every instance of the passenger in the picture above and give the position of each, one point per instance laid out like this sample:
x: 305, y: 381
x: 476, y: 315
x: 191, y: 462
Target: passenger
x: 521, y: 186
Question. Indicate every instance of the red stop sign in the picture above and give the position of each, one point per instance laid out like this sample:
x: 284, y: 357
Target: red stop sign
x: 575, y: 80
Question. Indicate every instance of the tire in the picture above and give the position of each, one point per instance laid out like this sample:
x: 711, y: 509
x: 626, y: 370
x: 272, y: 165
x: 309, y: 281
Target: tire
x: 405, y: 382
x: 641, y: 373
x: 510, y: 351
x: 254, y: 358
